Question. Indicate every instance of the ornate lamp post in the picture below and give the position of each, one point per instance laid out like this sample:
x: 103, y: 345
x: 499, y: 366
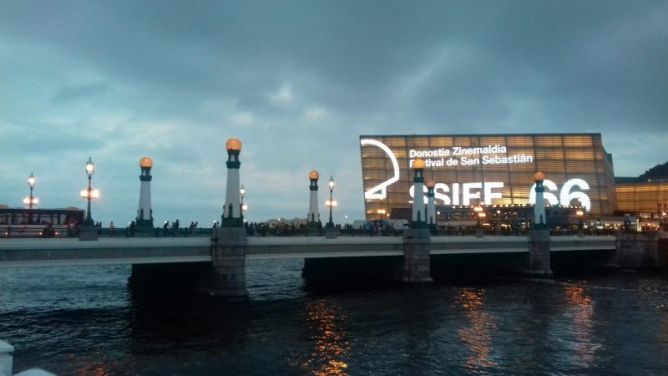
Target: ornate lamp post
x: 144, y: 221
x: 31, y: 200
x: 331, y: 200
x: 31, y: 183
x: 88, y: 231
x: 90, y: 170
x: 330, y: 230
x: 242, y: 191
x: 479, y: 214
x: 313, y: 223
x: 580, y: 214
x: 232, y: 218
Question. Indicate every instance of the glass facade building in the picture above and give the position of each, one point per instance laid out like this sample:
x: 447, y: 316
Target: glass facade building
x: 494, y: 170
x: 646, y: 199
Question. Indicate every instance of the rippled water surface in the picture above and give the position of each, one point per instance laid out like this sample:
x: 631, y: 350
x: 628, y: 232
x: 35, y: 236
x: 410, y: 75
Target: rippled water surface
x: 85, y: 321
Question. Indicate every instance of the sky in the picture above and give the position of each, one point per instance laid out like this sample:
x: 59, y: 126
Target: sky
x: 298, y: 82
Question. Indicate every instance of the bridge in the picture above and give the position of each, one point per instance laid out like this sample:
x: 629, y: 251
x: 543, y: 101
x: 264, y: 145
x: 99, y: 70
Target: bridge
x: 109, y: 251
x: 218, y: 263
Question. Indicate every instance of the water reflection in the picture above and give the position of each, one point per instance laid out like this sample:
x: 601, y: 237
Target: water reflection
x: 478, y: 336
x: 664, y: 329
x: 93, y: 364
x: 582, y: 311
x: 330, y: 340
x: 93, y: 370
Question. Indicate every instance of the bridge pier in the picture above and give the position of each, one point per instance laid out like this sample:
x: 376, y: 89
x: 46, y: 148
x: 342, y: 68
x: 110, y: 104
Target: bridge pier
x: 417, y: 241
x: 539, y: 238
x: 642, y: 251
x: 228, y: 263
x: 539, y: 252
x: 417, y: 258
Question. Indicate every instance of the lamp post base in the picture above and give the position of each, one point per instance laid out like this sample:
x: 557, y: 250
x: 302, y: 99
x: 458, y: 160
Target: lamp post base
x: 313, y: 229
x: 88, y: 232
x: 330, y: 232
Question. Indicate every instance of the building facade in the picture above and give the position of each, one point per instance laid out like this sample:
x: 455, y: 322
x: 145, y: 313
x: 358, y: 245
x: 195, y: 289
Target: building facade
x: 494, y: 170
x: 642, y: 198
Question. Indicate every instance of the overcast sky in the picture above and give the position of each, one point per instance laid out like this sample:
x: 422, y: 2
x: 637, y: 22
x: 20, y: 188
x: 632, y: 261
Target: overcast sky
x: 298, y: 82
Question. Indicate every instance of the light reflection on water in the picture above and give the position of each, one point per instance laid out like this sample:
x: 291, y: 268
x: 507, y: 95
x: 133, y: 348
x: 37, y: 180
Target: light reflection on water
x: 581, y: 311
x: 331, y: 345
x: 83, y: 321
x: 478, y: 335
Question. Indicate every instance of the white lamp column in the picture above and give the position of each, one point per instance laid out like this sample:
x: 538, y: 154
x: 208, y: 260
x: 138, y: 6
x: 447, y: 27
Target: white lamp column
x: 313, y: 220
x: 228, y: 242
x: 539, y: 218
x: 145, y: 212
x: 419, y: 216
x: 431, y: 204
x: 232, y: 216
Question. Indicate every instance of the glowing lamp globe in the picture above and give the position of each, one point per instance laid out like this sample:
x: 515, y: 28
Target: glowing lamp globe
x: 430, y: 184
x: 233, y: 144
x: 145, y: 162
x: 313, y: 175
x: 418, y: 164
x: 538, y: 176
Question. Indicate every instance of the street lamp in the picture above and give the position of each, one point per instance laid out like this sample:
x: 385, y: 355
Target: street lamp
x: 330, y: 231
x: 480, y: 215
x: 90, y: 170
x: 31, y: 200
x: 242, y: 191
x: 31, y: 183
x: 88, y: 230
x: 331, y: 200
x: 580, y: 214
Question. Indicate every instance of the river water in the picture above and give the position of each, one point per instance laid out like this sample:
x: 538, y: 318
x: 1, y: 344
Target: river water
x: 85, y: 321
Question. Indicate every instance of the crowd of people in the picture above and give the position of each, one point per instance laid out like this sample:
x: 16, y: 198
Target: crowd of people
x: 368, y: 228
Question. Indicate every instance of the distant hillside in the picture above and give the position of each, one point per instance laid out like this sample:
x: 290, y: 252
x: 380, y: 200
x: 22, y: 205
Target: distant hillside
x: 656, y: 172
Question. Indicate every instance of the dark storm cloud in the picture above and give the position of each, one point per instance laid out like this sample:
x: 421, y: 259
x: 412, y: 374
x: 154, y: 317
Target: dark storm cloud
x: 546, y: 50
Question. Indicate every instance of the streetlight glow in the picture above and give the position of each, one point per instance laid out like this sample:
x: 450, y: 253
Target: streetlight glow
x: 94, y: 193
x: 31, y: 180
x: 242, y: 192
x: 90, y: 167
x: 30, y: 201
x: 332, y: 203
